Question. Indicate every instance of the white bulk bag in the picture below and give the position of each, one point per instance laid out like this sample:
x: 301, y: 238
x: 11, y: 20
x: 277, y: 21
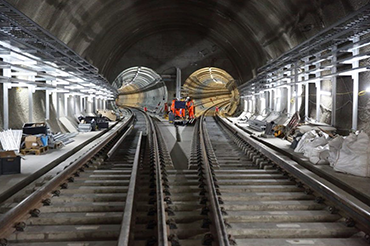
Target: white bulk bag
x: 319, y: 155
x: 335, y: 146
x: 354, y: 155
x: 304, y: 140
x: 310, y: 147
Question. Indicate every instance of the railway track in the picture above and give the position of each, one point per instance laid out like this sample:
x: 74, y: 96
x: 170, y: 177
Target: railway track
x: 266, y: 205
x: 235, y: 192
x: 83, y: 204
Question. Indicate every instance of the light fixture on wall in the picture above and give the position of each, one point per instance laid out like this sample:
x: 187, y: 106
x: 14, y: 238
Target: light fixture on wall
x: 362, y: 93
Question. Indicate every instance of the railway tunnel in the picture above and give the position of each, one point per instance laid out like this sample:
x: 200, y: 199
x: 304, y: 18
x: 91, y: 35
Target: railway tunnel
x: 275, y: 71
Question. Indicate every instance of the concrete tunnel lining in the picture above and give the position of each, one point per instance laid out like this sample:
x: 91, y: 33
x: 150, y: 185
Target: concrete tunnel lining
x: 251, y: 32
x: 246, y: 34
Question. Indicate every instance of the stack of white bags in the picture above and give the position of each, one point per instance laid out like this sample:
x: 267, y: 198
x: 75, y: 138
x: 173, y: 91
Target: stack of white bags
x: 348, y: 155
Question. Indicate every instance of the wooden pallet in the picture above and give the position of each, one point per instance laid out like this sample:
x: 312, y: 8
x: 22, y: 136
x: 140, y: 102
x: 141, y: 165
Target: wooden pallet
x: 57, y: 145
x: 37, y: 151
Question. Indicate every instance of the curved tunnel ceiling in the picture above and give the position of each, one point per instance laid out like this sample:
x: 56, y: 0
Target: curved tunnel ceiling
x: 136, y: 78
x: 211, y: 87
x: 247, y: 33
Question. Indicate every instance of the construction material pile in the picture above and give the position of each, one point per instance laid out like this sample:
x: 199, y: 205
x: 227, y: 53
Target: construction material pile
x: 38, y: 139
x: 11, y: 139
x: 349, y: 154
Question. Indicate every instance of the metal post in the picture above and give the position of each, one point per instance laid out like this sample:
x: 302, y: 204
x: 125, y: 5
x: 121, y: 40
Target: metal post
x: 307, y: 90
x: 47, y: 105
x: 81, y: 104
x: 65, y: 104
x: 85, y: 103
x: 74, y: 104
x: 306, y: 101
x: 271, y: 100
x: 318, y: 90
x: 278, y: 99
x: 289, y: 98
x: 296, y: 86
x: 30, y: 104
x: 94, y: 105
x: 83, y: 109
x: 7, y: 72
x: 57, y: 104
x: 289, y: 90
x: 334, y: 88
x: 355, y: 78
x: 299, y: 96
x: 6, y: 105
x: 318, y: 99
x: 178, y: 82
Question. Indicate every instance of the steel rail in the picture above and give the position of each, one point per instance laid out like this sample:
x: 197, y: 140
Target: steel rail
x: 116, y: 145
x: 344, y: 201
x: 161, y: 214
x: 221, y: 232
x: 125, y: 232
x: 19, y: 212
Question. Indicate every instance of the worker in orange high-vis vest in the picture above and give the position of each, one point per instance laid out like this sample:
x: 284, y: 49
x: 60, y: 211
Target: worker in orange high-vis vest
x: 173, y: 106
x: 190, y: 107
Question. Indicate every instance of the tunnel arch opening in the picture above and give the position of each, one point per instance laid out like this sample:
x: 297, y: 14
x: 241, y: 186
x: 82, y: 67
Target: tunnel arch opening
x: 211, y: 87
x: 141, y: 87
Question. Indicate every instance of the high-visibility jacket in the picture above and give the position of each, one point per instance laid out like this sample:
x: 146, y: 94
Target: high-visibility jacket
x: 173, y: 106
x: 190, y: 107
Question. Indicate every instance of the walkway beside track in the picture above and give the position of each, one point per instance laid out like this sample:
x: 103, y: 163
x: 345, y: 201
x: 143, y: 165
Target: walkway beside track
x: 34, y: 163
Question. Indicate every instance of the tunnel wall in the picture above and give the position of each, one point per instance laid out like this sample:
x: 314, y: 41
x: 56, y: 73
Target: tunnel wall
x: 19, y: 108
x: 153, y: 100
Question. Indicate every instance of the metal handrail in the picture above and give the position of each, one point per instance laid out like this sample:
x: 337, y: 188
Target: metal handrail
x: 124, y: 236
x: 19, y: 212
x: 222, y: 235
